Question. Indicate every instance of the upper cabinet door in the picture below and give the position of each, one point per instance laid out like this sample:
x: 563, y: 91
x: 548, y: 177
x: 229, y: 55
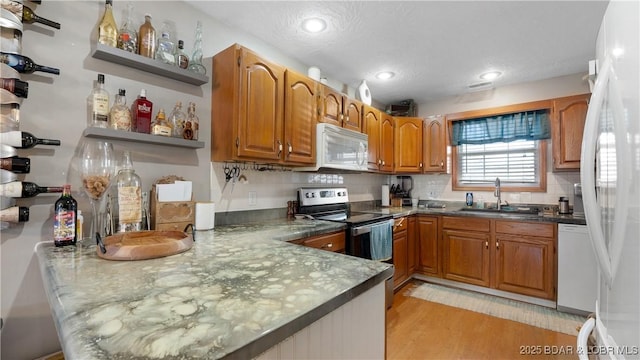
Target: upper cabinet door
x: 408, y: 145
x: 261, y: 110
x: 301, y: 115
x: 371, y: 127
x: 330, y: 106
x: 435, y: 145
x: 567, y: 126
x: 387, y: 132
x: 353, y: 117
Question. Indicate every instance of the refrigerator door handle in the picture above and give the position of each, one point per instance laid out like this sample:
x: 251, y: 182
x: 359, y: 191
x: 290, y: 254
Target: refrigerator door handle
x: 587, y: 175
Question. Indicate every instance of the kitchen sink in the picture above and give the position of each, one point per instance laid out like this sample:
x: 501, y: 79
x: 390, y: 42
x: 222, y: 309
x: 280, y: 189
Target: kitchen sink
x: 527, y: 210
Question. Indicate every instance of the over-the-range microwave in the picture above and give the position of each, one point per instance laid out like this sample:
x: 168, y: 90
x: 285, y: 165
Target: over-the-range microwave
x: 339, y: 149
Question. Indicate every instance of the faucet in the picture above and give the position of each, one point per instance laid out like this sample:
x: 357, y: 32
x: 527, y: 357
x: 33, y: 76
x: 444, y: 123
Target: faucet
x: 496, y: 193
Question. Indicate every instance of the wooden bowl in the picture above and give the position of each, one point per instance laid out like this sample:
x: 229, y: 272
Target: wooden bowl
x: 140, y: 245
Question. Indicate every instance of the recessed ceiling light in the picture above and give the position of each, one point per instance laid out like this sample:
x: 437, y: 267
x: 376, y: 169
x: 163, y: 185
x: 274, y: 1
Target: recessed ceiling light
x: 490, y: 75
x: 314, y: 25
x: 385, y: 75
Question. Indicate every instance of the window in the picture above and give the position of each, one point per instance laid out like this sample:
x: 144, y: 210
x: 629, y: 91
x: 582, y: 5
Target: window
x: 519, y: 164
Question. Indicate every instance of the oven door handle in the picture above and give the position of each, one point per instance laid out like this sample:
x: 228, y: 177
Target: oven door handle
x: 359, y: 230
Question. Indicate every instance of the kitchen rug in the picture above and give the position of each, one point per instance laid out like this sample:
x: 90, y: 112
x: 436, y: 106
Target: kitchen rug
x: 530, y: 314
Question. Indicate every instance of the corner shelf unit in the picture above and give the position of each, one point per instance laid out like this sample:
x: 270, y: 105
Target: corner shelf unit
x: 119, y: 56
x: 111, y: 134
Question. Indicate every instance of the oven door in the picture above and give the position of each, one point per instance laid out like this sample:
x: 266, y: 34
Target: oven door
x: 372, y: 241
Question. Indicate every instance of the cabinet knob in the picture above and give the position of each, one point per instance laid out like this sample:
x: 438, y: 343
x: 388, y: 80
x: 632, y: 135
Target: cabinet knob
x: 327, y: 246
x: 486, y: 244
x: 497, y: 245
x: 441, y: 164
x: 420, y: 165
x: 279, y: 147
x: 290, y: 148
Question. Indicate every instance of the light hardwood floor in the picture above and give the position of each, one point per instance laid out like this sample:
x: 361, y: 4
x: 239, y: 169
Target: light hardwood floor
x: 419, y: 329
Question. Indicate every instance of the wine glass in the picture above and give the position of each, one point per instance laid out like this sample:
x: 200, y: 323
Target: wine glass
x: 97, y: 167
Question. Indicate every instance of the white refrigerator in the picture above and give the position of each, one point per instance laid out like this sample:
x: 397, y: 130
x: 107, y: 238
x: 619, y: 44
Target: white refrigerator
x: 610, y: 176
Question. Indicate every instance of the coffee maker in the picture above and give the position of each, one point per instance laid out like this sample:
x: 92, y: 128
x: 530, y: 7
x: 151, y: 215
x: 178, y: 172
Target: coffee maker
x: 404, y: 189
x: 578, y: 207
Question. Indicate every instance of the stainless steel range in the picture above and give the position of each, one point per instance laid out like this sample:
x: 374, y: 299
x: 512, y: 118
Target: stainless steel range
x: 368, y: 235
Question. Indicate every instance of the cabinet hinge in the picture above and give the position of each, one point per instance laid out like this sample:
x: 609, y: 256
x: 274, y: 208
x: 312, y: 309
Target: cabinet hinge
x: 237, y: 142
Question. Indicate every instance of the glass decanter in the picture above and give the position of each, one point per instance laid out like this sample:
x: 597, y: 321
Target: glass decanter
x: 195, y: 64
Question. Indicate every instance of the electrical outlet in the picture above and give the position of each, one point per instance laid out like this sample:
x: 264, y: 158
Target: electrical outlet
x: 253, y: 198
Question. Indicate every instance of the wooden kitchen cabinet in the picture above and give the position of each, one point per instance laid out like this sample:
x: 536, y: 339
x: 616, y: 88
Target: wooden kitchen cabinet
x: 428, y: 249
x: 379, y: 128
x: 525, y: 261
x: 435, y: 145
x: 466, y: 255
x: 249, y: 95
x: 400, y: 251
x: 331, y: 242
x: 567, y: 126
x: 386, y: 142
x: 408, y: 145
x: 412, y: 245
x: 339, y: 110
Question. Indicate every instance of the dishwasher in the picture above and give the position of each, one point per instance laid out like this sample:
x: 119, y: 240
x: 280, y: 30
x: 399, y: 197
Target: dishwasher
x: 577, y: 270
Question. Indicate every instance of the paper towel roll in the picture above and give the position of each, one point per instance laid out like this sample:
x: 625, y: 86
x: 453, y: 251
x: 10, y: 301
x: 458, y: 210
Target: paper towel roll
x: 385, y: 195
x: 205, y: 216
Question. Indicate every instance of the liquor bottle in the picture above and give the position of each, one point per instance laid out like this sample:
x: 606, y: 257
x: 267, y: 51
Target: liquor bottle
x: 15, y: 164
x: 24, y: 140
x: 176, y: 119
x: 25, y: 189
x: 15, y: 214
x: 65, y: 219
x: 24, y: 64
x: 120, y: 115
x: 191, y: 124
x: 107, y: 28
x: 182, y: 60
x: 147, y: 38
x: 128, y: 208
x: 160, y: 125
x: 128, y: 36
x: 16, y: 86
x: 99, y: 104
x: 141, y: 111
x: 165, y: 50
x: 195, y: 64
x: 29, y: 17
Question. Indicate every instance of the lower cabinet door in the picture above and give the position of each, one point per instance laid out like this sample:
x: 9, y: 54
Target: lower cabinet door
x: 525, y: 265
x: 400, y: 258
x: 466, y: 257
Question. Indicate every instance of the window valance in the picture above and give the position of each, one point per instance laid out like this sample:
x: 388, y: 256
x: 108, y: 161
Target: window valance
x: 527, y: 125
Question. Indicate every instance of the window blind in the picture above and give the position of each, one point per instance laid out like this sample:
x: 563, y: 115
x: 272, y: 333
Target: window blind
x: 514, y: 162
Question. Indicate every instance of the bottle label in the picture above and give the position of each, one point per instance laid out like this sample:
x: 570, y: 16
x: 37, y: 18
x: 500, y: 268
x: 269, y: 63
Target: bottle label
x: 12, y: 189
x: 161, y: 130
x: 187, y: 132
x: 64, y: 225
x: 120, y: 119
x: 129, y: 204
x: 101, y: 107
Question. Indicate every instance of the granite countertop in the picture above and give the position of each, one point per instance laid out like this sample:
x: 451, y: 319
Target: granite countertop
x: 239, y: 291
x: 455, y: 209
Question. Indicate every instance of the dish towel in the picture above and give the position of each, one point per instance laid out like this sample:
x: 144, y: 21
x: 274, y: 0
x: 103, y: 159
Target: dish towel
x: 381, y: 239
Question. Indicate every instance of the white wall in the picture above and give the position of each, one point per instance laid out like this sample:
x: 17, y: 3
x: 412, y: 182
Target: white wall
x: 558, y: 184
x: 56, y: 108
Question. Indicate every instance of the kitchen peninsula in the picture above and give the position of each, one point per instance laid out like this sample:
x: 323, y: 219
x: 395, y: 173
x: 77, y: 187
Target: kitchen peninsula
x: 239, y: 292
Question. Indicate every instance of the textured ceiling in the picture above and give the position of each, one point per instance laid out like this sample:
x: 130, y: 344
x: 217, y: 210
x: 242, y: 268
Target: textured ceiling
x: 436, y: 48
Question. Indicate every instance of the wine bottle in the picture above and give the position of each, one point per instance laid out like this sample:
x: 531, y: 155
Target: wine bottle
x: 16, y: 86
x: 25, y: 189
x: 65, y: 219
x: 107, y: 29
x: 29, y: 17
x: 15, y: 214
x: 24, y: 64
x: 15, y: 164
x: 147, y: 38
x: 24, y: 140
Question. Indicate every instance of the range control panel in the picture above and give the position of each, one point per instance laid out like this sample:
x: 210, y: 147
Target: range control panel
x: 322, y: 196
